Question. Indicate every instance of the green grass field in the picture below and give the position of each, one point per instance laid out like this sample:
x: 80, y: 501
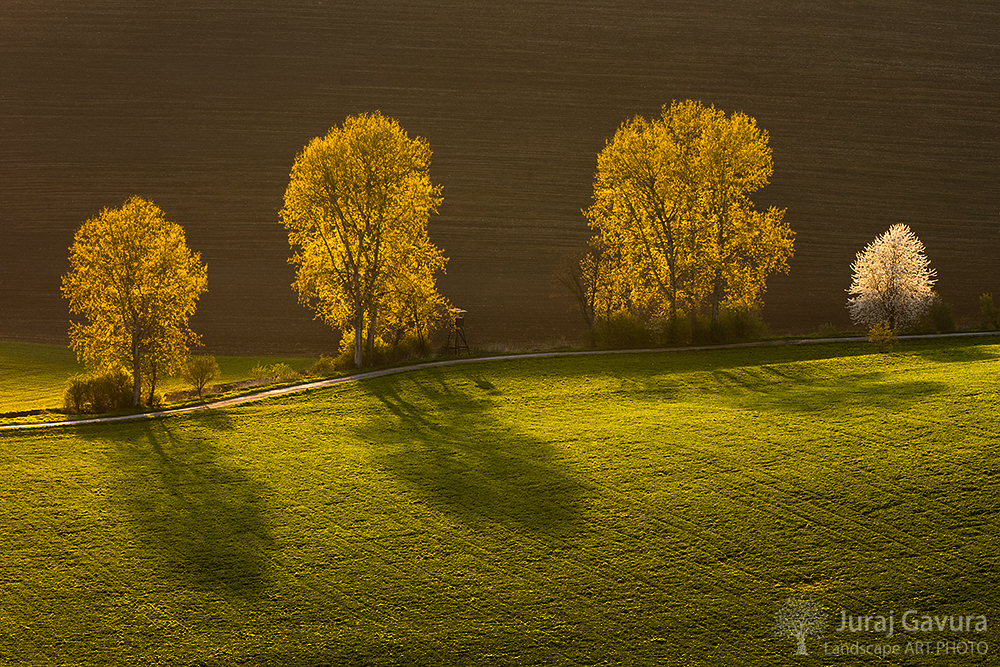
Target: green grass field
x: 33, y: 376
x: 617, y: 509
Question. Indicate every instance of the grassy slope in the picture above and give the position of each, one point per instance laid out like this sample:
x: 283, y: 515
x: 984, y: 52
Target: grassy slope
x: 33, y: 376
x: 621, y: 509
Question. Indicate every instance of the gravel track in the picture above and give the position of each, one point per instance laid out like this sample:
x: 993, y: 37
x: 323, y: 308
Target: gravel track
x: 282, y: 391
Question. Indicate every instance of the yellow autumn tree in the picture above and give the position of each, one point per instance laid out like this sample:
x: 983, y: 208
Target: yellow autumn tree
x: 356, y: 210
x: 745, y: 246
x: 645, y: 211
x: 136, y: 284
x: 412, y: 306
x: 672, y: 211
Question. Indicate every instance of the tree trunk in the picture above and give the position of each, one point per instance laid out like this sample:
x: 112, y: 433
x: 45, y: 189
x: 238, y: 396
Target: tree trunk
x: 358, y: 340
x: 371, y: 334
x: 136, y: 373
x: 716, y: 297
x: 152, y: 382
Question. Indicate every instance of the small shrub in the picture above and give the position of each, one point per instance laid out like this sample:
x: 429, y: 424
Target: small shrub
x: 345, y: 352
x: 882, y: 337
x: 383, y: 353
x: 402, y: 347
x: 737, y: 324
x: 409, y: 347
x: 938, y: 318
x: 276, y: 372
x: 98, y: 393
x: 344, y: 361
x: 989, y: 313
x: 667, y: 331
x: 623, y: 330
x: 111, y: 391
x: 678, y: 330
x: 325, y: 366
x: 77, y: 394
x: 199, y: 371
x: 701, y: 329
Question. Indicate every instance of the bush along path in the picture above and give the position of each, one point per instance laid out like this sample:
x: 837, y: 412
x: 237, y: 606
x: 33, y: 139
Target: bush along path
x: 307, y: 386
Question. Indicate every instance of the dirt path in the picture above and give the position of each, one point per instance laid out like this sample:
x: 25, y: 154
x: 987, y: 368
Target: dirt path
x: 282, y: 391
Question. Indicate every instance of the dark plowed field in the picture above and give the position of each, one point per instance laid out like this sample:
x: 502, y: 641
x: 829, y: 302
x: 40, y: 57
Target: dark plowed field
x: 878, y: 113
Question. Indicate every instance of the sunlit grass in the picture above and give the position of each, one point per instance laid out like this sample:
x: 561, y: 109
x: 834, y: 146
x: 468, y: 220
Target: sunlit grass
x: 616, y: 509
x: 33, y: 376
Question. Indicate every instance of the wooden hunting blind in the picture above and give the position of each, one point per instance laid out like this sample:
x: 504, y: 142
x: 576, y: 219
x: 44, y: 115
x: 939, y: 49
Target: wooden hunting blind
x: 457, y: 332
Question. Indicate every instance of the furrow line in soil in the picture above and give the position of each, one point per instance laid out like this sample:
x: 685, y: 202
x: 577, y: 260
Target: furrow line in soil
x: 543, y: 548
x: 397, y: 563
x: 737, y: 473
x: 878, y: 482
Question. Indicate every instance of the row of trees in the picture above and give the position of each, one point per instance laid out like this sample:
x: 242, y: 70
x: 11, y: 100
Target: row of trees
x: 675, y: 229
x: 356, y: 209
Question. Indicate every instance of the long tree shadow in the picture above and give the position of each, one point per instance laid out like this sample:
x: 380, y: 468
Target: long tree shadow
x: 202, y: 517
x: 860, y: 390
x: 955, y: 354
x: 444, y: 438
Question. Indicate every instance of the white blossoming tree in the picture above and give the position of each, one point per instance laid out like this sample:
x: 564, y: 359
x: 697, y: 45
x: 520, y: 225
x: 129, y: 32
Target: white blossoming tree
x: 892, y: 281
x: 800, y: 618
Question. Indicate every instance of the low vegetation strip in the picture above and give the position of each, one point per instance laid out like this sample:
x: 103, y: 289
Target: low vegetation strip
x: 581, y: 509
x: 33, y: 378
x: 316, y: 384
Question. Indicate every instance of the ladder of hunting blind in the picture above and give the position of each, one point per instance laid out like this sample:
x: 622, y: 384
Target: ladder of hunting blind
x: 456, y: 335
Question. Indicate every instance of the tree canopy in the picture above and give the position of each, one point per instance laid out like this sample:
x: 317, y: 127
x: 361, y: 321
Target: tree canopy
x: 136, y: 284
x: 673, y: 216
x: 356, y: 210
x: 893, y: 281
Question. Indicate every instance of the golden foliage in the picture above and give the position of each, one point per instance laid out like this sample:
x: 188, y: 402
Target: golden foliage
x: 356, y: 209
x: 673, y: 216
x: 882, y: 336
x: 136, y: 283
